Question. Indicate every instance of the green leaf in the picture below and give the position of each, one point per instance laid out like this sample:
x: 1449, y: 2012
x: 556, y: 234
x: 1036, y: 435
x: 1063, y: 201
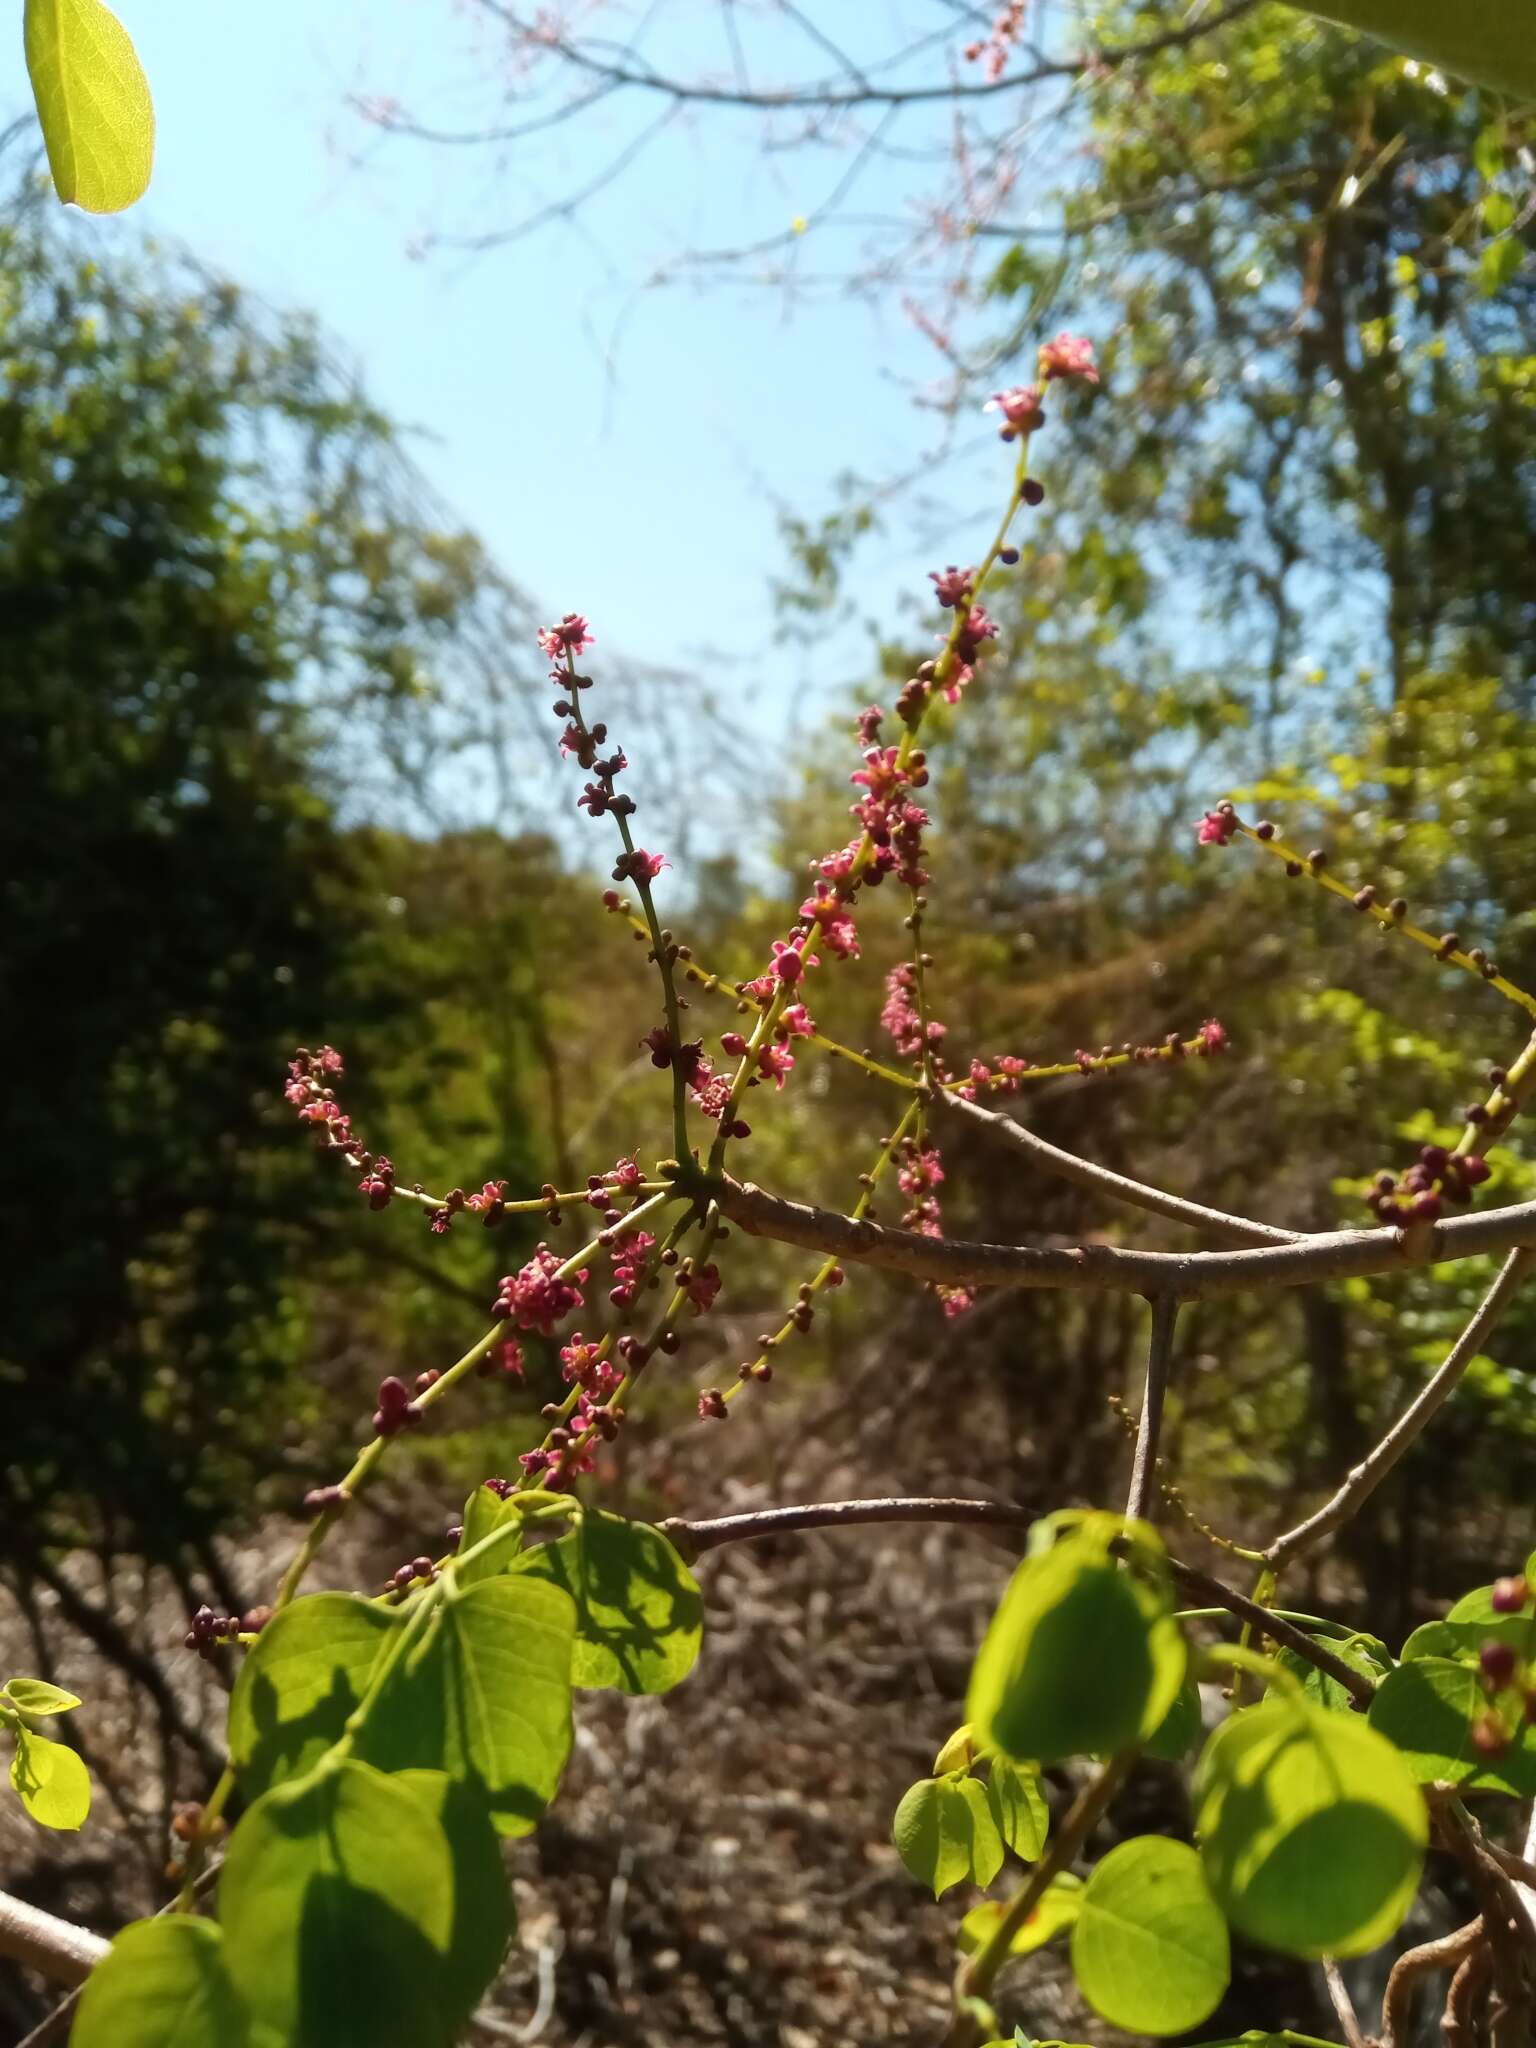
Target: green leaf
x: 1311, y: 1828
x: 37, y: 1696
x: 305, y: 1673
x: 50, y: 1780
x: 944, y: 1832
x: 93, y: 101
x: 1150, y: 1949
x: 337, y: 1903
x: 1180, y: 1728
x: 1318, y: 1686
x: 958, y: 1753
x: 1056, y: 1909
x: 162, y: 1984
x: 1018, y: 1806
x: 1082, y: 1657
x: 484, y: 1513
x: 1490, y: 43
x: 483, y: 1917
x: 1427, y: 1708
x: 486, y: 1696
x: 639, y: 1613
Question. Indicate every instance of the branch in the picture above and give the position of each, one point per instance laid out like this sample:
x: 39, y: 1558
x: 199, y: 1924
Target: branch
x: 1192, y: 1276
x: 1448, y: 1953
x: 57, y: 1949
x: 1103, y: 1180
x: 692, y: 1539
x: 1343, y: 2004
x: 1410, y: 1425
x: 1165, y: 1316
x: 626, y: 71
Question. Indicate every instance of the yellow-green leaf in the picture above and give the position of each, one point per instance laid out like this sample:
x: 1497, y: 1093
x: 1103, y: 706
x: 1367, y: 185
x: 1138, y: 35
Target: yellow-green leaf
x: 93, y: 101
x: 51, y: 1781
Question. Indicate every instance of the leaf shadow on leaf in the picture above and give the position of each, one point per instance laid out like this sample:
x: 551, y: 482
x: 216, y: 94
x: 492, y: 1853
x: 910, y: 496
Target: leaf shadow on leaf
x: 1342, y: 1857
x: 285, y: 1748
x: 355, y: 1952
x: 600, y: 1575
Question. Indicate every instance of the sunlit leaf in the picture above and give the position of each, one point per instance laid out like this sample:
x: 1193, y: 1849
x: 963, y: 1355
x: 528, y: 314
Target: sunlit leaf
x: 304, y: 1675
x: 337, y: 1903
x: 1311, y: 1828
x: 945, y: 1832
x: 1428, y: 1708
x: 1017, y: 1800
x: 162, y: 1984
x: 93, y: 101
x: 486, y: 1697
x: 1055, y: 1910
x: 639, y: 1613
x: 1149, y: 1947
x: 1082, y: 1657
x: 35, y: 1696
x: 51, y: 1781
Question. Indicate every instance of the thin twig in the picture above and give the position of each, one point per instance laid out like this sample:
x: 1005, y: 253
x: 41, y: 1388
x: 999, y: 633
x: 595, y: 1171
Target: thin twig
x: 1165, y: 1316
x: 1410, y: 1425
x: 1194, y: 1276
x: 1343, y: 2004
x: 1103, y: 1180
x: 692, y: 1539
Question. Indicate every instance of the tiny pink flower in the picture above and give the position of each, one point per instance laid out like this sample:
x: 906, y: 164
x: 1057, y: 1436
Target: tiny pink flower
x: 1069, y: 355
x: 571, y: 636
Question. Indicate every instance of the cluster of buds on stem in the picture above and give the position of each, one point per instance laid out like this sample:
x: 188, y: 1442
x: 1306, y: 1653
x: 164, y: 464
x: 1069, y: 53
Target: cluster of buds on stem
x: 396, y: 1409
x: 207, y: 1629
x: 1438, y: 1176
x: 1507, y: 1676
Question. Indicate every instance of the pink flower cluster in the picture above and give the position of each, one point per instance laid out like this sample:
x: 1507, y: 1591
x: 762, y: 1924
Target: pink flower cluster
x: 993, y: 49
x: 631, y: 1257
x: 1218, y: 826
x: 586, y: 1365
x: 536, y: 1298
x: 900, y: 1016
x: 569, y: 639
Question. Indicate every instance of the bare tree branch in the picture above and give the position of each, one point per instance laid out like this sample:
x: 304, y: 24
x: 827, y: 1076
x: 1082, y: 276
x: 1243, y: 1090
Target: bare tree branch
x: 692, y: 1539
x: 56, y: 1949
x: 1103, y: 1180
x: 1165, y: 1316
x: 1410, y: 1425
x: 630, y: 70
x: 1192, y: 1276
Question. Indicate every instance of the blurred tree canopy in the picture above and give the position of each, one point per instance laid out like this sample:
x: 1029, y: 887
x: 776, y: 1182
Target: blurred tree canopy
x: 221, y: 605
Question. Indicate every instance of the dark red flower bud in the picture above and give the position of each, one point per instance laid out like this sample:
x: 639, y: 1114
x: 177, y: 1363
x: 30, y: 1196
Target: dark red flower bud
x: 1498, y: 1663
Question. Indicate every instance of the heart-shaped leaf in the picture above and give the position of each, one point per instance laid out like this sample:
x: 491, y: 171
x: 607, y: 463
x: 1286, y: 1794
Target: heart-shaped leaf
x: 1311, y: 1828
x: 1149, y: 1946
x: 486, y: 1697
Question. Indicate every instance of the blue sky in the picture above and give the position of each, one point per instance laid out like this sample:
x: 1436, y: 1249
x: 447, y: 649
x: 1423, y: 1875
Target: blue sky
x: 623, y: 452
